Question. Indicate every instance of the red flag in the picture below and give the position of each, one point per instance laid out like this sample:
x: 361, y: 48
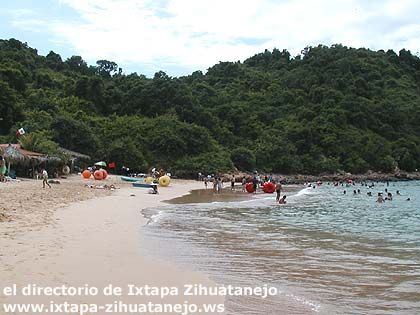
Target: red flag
x: 111, y: 165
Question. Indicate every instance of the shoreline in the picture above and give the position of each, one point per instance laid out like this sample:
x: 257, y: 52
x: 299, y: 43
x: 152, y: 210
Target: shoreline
x: 96, y: 242
x: 301, y: 178
x: 381, y: 177
x: 202, y: 195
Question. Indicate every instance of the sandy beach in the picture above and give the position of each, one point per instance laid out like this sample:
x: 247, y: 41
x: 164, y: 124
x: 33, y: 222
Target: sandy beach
x: 74, y: 235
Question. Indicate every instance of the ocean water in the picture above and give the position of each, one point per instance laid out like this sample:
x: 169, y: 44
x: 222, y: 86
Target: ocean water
x: 327, y: 252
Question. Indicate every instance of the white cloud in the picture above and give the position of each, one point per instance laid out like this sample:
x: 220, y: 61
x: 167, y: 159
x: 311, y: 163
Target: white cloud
x: 197, y: 34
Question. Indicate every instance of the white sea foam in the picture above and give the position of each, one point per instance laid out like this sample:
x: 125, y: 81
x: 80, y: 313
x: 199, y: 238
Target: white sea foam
x: 155, y: 218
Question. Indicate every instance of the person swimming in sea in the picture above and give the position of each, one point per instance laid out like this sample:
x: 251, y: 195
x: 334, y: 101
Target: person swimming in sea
x: 380, y: 198
x: 369, y: 193
x: 398, y: 193
x: 282, y: 200
x: 389, y: 197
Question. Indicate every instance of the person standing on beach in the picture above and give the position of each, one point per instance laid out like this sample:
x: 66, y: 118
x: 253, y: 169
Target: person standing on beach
x: 219, y: 185
x: 205, y: 182
x: 2, y: 168
x: 278, y: 190
x: 255, y: 182
x: 232, y: 183
x: 45, y: 178
x: 243, y: 183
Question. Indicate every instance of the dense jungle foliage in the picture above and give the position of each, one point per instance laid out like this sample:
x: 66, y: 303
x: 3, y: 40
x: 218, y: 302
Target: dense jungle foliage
x: 329, y: 109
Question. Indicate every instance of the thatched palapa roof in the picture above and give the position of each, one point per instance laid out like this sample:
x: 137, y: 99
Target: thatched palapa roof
x: 75, y: 155
x: 15, y: 154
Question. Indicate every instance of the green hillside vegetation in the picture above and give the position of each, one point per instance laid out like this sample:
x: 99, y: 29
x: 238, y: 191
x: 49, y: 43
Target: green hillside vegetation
x: 328, y: 109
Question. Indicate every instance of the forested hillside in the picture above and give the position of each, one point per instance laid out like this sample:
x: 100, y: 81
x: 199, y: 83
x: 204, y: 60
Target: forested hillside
x: 329, y: 109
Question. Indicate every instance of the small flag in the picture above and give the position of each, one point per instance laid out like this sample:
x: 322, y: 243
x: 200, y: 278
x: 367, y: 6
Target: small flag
x: 20, y: 132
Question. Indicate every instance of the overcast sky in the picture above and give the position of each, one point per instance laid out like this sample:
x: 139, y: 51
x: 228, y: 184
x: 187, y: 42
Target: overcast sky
x: 181, y: 36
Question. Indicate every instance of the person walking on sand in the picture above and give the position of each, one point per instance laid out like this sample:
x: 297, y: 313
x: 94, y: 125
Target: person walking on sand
x: 278, y: 191
x: 45, y: 178
x: 243, y: 183
x: 205, y: 182
x: 232, y: 183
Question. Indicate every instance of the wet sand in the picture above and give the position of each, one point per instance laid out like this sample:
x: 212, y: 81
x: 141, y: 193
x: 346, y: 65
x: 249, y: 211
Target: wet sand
x: 47, y: 242
x: 207, y: 195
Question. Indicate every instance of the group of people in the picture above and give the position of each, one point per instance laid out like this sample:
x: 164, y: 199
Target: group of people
x: 388, y: 197
x: 380, y: 197
x: 217, y: 182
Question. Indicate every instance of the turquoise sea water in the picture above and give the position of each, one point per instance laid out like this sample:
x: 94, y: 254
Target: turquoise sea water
x: 328, y: 252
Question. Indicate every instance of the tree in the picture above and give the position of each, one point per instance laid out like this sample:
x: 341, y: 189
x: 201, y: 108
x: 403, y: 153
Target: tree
x: 126, y: 152
x: 243, y: 159
x: 54, y: 61
x: 106, y: 68
x: 76, y: 63
x: 74, y: 134
x: 10, y: 109
x: 39, y: 141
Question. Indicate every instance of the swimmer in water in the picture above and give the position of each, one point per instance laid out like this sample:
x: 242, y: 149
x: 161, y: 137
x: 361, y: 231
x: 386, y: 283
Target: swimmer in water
x: 282, y: 200
x: 380, y: 198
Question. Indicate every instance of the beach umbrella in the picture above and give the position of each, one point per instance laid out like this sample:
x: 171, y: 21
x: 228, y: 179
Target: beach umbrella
x: 101, y: 163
